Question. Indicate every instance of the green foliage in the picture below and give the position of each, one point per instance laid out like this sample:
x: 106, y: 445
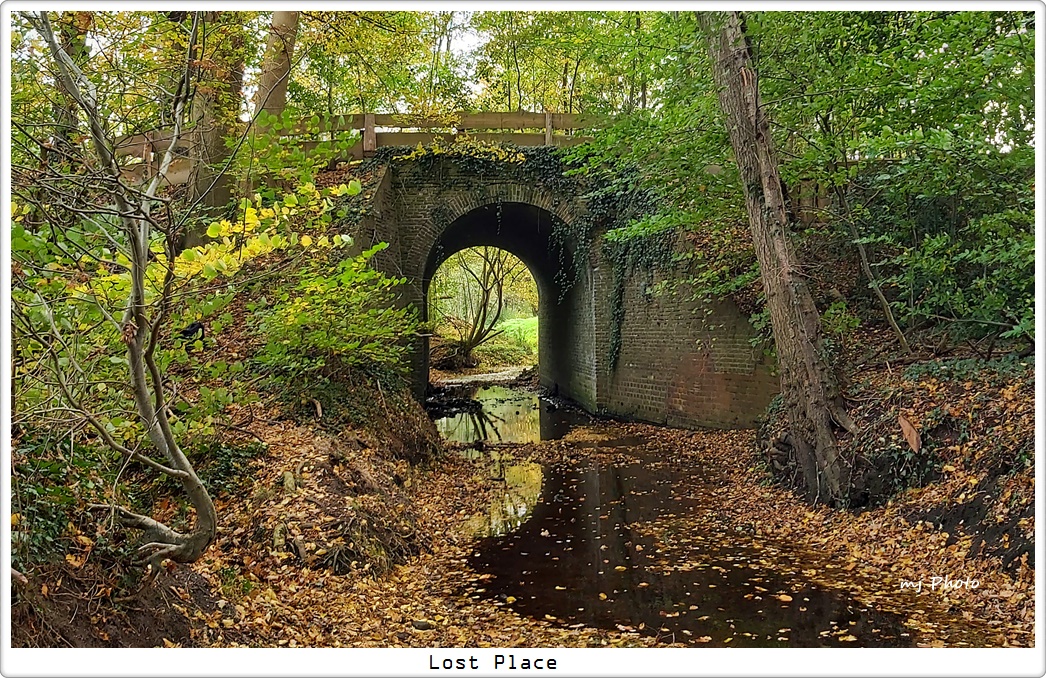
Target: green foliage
x: 963, y: 369
x: 471, y: 154
x: 42, y: 504
x: 956, y: 218
x: 291, y: 148
x: 516, y: 344
x: 226, y: 468
x: 363, y: 61
x: 522, y: 331
x: 838, y: 321
x: 51, y: 478
x: 921, y: 119
x: 75, y: 281
x: 470, y: 296
x: 335, y: 316
x: 566, y: 61
x: 233, y: 584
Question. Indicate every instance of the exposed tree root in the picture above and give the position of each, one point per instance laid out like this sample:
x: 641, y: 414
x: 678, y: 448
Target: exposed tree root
x: 162, y: 542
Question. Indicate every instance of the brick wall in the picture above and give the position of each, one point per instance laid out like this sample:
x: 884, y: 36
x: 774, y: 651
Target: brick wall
x: 681, y: 363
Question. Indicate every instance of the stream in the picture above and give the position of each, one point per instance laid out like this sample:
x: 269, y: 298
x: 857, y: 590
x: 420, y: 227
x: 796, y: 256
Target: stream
x: 623, y: 546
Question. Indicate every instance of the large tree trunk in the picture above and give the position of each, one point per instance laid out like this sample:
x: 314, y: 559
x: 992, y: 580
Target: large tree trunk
x: 72, y: 33
x: 215, y: 110
x: 271, y: 96
x: 809, y: 386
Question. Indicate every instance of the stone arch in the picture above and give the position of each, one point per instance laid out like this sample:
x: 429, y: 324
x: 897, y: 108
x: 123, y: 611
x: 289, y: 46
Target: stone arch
x: 664, y: 372
x: 462, y: 202
x: 521, y: 222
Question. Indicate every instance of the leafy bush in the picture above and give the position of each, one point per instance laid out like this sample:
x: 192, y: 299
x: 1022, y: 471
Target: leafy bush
x: 955, y: 220
x: 962, y: 369
x: 338, y: 316
x: 50, y: 478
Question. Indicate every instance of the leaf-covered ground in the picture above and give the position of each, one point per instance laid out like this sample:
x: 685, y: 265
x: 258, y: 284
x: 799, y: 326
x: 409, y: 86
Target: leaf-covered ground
x: 275, y: 593
x: 350, y: 535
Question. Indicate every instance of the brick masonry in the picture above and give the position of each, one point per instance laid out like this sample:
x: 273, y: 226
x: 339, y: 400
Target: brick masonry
x: 681, y: 363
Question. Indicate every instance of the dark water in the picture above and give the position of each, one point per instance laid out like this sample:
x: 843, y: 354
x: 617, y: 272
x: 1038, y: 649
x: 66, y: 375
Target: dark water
x: 508, y: 416
x: 577, y: 552
x: 634, y: 546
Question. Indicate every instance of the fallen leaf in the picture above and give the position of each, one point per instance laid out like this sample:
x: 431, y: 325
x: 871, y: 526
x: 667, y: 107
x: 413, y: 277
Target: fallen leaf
x: 910, y: 433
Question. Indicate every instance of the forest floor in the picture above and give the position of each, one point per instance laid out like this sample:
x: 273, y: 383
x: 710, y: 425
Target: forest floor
x: 345, y: 536
x: 429, y: 601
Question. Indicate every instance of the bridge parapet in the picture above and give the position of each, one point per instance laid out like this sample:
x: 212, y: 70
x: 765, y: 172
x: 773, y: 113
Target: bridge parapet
x: 376, y: 130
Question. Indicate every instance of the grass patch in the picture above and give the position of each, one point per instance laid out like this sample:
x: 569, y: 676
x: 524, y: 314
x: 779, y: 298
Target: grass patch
x: 516, y: 345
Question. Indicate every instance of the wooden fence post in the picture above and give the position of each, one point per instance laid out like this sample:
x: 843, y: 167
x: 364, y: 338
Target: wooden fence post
x: 370, y: 143
x: 548, y: 128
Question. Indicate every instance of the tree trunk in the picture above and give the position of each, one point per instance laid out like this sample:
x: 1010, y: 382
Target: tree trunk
x: 271, y: 96
x: 140, y: 331
x: 809, y: 387
x: 215, y: 110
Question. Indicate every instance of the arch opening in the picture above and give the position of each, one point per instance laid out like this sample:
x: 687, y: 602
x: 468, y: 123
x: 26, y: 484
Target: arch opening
x: 565, y: 313
x: 483, y: 311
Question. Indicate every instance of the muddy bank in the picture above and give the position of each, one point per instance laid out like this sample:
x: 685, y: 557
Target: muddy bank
x: 966, y: 465
x: 323, y: 496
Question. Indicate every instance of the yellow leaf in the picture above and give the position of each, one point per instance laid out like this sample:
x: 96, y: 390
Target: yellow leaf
x: 785, y: 597
x: 510, y: 600
x: 561, y: 588
x: 602, y: 596
x: 948, y: 468
x: 15, y: 519
x: 75, y: 561
x: 620, y: 568
x: 306, y: 241
x: 848, y: 638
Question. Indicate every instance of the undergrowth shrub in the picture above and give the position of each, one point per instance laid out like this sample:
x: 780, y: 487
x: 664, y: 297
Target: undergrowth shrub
x: 51, y: 479
x: 335, y: 316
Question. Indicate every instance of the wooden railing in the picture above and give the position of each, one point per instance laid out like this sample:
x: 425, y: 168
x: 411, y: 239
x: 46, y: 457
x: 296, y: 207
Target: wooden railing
x: 522, y: 128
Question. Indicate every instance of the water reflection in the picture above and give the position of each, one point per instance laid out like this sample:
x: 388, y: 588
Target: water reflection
x: 581, y: 555
x: 506, y: 416
x: 511, y: 508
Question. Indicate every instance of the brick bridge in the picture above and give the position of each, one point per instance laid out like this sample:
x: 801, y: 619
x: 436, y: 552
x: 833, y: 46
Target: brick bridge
x: 677, y: 364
